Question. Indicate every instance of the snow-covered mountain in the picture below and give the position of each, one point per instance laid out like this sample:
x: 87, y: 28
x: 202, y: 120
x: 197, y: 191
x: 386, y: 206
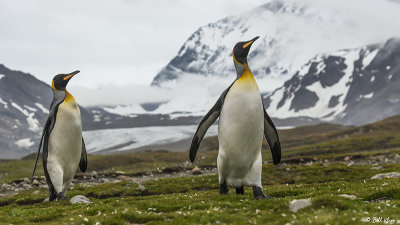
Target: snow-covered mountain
x: 351, y: 86
x: 291, y: 32
x: 24, y: 103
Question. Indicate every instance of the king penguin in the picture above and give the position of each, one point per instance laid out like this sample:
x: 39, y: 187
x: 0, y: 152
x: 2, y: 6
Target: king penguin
x: 63, y: 145
x: 242, y: 124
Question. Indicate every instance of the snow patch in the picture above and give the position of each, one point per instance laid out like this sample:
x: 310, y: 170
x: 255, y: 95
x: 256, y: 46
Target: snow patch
x: 133, y: 138
x: 23, y: 111
x: 368, y: 58
x: 370, y: 95
x: 367, y: 96
x: 24, y: 143
x: 30, y: 108
x: 125, y: 110
x: 32, y: 122
x: 321, y: 67
x: 388, y: 67
x: 96, y: 118
x: 2, y: 75
x: 41, y: 107
x: 4, y: 103
x: 372, y: 79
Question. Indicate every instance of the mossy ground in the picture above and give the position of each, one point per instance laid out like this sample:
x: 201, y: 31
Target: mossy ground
x: 195, y: 200
x: 187, y: 200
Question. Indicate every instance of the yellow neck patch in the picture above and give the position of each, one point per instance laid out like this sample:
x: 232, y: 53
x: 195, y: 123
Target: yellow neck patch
x: 247, y: 78
x: 68, y: 97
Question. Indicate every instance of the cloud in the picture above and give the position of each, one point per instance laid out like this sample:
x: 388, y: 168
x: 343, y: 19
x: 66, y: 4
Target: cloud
x: 192, y: 93
x: 129, y: 39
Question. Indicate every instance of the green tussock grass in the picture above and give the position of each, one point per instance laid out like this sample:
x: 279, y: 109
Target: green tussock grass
x: 195, y: 200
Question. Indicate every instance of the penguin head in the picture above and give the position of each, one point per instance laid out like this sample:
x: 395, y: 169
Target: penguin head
x: 60, y: 81
x: 241, y: 50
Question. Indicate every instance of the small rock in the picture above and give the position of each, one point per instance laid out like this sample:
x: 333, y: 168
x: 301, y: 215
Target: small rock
x: 376, y: 167
x: 348, y: 196
x: 120, y: 172
x: 298, y: 204
x: 77, y: 199
x: 26, y: 186
x: 350, y: 163
x: 35, y: 182
x: 26, y: 180
x: 36, y: 192
x: 43, y: 186
x: 105, y: 180
x: 46, y: 200
x: 6, y: 186
x: 386, y: 175
x: 346, y: 158
x: 123, y: 177
x: 196, y: 171
x: 141, y: 187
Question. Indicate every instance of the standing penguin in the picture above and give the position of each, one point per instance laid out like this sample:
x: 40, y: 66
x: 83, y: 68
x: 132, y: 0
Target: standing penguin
x: 243, y: 123
x: 63, y: 145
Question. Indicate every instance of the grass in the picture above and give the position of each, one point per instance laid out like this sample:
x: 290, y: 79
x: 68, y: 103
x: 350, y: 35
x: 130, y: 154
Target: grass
x: 195, y: 200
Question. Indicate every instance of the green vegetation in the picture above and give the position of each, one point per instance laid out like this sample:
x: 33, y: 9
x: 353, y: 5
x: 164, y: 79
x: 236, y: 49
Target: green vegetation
x: 318, y: 163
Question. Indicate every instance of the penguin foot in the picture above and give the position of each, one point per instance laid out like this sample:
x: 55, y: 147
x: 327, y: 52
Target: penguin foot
x: 258, y: 193
x: 262, y: 197
x: 223, y: 189
x: 61, y: 196
x: 240, y: 190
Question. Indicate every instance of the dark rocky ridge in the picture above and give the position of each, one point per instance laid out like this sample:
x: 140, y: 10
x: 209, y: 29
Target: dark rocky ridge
x: 371, y: 93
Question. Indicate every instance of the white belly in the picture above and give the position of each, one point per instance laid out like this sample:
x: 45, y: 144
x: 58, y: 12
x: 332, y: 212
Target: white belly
x: 65, y: 146
x: 240, y: 134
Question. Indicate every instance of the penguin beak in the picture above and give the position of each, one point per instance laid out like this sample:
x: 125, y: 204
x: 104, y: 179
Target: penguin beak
x: 69, y: 76
x: 249, y: 43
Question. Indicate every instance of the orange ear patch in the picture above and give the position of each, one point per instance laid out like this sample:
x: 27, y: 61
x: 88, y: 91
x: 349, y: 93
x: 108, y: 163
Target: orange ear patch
x: 234, y: 59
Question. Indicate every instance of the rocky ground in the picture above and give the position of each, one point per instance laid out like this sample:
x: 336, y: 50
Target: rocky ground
x: 183, y: 170
x: 96, y: 178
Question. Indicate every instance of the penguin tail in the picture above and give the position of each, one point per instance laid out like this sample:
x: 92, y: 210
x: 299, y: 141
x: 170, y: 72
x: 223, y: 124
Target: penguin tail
x: 37, y: 156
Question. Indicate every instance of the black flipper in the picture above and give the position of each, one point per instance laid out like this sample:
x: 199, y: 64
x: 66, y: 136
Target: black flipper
x: 83, y: 161
x: 58, y: 98
x: 205, y: 123
x: 272, y: 137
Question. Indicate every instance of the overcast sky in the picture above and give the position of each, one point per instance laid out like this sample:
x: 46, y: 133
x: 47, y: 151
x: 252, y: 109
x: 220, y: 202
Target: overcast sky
x: 110, y: 41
